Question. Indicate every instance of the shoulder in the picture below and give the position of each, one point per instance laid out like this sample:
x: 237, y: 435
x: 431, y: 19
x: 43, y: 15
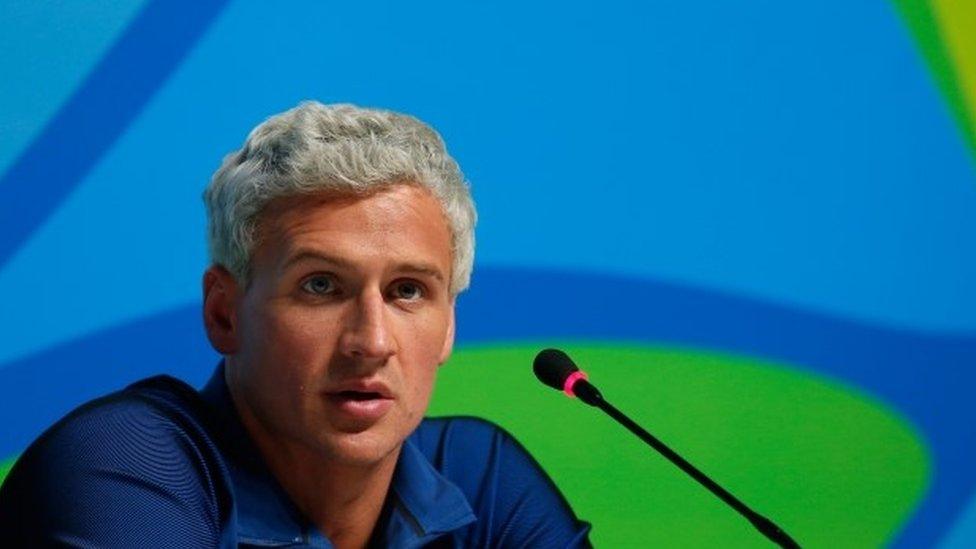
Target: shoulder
x: 516, y: 502
x: 465, y: 446
x: 469, y: 449
x: 93, y: 473
x: 151, y: 423
x: 460, y: 433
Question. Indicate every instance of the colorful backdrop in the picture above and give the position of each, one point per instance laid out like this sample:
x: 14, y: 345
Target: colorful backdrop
x: 753, y: 223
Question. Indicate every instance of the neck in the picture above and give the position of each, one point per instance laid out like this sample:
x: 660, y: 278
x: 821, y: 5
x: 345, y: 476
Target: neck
x: 343, y: 501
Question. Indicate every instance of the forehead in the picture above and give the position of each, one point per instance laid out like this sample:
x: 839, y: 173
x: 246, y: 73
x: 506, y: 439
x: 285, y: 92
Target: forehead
x: 399, y: 222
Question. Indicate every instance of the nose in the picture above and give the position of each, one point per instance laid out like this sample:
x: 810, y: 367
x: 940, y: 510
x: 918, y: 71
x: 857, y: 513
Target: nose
x: 366, y: 334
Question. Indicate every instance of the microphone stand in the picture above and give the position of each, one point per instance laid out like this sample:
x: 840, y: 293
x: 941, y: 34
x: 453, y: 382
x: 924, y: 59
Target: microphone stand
x: 590, y: 395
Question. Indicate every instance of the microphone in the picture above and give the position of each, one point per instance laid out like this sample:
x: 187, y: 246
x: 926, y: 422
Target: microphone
x: 554, y: 368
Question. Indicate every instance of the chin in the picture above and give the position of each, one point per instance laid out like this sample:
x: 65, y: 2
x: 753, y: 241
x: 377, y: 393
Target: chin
x: 362, y: 449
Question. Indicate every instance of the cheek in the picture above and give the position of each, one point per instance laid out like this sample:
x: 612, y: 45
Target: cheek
x: 425, y: 384
x: 421, y: 389
x: 421, y: 350
x: 287, y: 344
x: 419, y: 356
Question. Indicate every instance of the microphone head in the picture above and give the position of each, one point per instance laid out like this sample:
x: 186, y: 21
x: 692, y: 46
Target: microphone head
x: 553, y: 367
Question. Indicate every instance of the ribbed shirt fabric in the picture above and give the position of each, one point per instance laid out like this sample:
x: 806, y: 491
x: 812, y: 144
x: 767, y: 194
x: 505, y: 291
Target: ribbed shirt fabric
x: 159, y: 464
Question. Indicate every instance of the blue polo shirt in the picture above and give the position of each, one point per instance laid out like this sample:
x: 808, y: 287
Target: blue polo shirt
x: 159, y: 464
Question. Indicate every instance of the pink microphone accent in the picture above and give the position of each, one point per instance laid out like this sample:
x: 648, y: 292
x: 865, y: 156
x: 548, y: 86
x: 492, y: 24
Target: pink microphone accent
x: 571, y: 380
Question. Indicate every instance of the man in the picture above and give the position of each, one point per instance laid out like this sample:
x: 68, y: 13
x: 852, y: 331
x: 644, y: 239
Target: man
x: 340, y: 238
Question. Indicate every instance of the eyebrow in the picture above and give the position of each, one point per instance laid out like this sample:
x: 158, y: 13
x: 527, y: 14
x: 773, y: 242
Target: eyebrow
x: 312, y: 255
x: 421, y: 268
x: 406, y: 267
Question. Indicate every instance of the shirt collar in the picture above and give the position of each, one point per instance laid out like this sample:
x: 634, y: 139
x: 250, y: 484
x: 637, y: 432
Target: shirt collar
x: 426, y: 504
x: 423, y: 504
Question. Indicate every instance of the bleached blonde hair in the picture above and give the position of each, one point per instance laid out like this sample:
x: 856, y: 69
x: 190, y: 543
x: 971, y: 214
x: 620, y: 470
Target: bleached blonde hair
x: 316, y: 148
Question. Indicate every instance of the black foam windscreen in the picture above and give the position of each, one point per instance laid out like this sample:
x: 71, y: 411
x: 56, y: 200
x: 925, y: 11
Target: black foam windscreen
x: 552, y: 367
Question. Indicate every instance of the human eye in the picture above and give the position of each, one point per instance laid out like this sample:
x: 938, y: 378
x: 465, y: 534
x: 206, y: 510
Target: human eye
x: 408, y: 290
x: 319, y: 284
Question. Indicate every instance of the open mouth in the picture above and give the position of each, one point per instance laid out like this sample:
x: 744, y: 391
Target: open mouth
x: 359, y: 395
x: 361, y: 407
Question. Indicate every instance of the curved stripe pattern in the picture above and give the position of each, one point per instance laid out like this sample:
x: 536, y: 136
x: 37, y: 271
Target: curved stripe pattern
x: 777, y: 437
x: 49, y: 48
x: 925, y: 377
x: 97, y: 113
x: 817, y: 187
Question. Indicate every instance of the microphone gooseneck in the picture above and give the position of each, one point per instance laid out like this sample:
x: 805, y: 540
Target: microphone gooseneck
x: 554, y: 368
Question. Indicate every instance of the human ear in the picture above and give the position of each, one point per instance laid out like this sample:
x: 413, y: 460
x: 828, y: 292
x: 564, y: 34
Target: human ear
x: 220, y: 298
x: 448, y: 339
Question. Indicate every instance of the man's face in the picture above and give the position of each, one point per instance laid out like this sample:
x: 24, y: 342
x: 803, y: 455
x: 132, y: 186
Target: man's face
x: 345, y: 322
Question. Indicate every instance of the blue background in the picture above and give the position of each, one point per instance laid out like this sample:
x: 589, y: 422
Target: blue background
x: 790, y: 164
